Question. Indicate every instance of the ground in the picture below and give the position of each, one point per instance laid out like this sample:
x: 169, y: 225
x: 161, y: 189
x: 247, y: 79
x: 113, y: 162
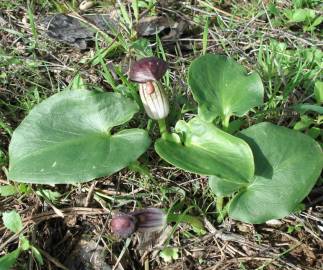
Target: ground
x: 278, y: 39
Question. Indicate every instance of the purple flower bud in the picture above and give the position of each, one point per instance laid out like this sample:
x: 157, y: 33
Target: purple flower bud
x: 147, y: 69
x: 143, y: 220
x: 123, y: 225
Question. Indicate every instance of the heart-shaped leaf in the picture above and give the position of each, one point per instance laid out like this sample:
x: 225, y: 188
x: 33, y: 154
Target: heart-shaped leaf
x: 223, y: 88
x: 67, y: 138
x: 206, y: 149
x: 288, y: 164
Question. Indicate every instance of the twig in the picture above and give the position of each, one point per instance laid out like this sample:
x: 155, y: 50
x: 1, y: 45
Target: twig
x: 90, y: 194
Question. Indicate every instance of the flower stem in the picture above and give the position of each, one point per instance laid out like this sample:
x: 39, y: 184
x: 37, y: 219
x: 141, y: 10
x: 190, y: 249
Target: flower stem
x: 162, y: 126
x: 219, y: 208
x: 226, y: 121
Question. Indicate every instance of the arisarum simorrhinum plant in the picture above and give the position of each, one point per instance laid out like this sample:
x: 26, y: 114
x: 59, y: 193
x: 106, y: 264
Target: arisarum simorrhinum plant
x: 264, y: 170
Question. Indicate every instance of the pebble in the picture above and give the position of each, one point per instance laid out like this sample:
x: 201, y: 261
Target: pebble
x: 85, y: 5
x: 274, y: 223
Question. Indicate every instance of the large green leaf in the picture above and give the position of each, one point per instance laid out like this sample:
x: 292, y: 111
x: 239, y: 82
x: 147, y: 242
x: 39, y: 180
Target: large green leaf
x: 206, y: 149
x: 223, y: 88
x: 288, y: 164
x: 67, y: 138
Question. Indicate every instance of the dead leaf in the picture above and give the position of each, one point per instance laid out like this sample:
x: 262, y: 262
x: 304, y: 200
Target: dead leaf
x: 72, y: 31
x: 150, y: 26
x: 176, y: 31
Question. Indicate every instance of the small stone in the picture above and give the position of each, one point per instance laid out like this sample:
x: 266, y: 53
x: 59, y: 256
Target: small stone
x: 85, y: 5
x: 274, y: 222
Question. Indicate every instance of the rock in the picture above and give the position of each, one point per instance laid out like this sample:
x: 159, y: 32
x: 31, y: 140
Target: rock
x: 85, y: 5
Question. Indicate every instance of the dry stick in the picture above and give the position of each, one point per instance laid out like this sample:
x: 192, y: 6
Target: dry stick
x: 90, y: 194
